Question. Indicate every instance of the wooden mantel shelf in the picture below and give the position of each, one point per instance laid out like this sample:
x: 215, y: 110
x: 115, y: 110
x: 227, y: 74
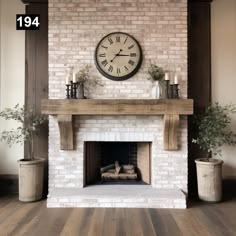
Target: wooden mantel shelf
x: 66, y: 108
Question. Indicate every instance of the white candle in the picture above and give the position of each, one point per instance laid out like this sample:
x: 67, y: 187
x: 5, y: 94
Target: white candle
x: 67, y: 79
x: 176, y: 81
x: 167, y: 76
x: 74, y: 79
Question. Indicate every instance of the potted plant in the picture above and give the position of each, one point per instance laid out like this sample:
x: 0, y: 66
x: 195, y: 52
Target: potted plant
x: 31, y: 168
x: 157, y: 75
x: 86, y: 81
x: 213, y: 132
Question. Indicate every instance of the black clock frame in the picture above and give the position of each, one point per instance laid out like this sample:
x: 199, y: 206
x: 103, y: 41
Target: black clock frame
x: 117, y: 78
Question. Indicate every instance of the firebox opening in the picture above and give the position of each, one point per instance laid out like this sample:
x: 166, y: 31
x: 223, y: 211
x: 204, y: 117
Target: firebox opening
x: 117, y: 162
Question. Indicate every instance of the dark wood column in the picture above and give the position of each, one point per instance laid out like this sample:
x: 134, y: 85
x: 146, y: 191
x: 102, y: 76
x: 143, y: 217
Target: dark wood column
x: 36, y: 73
x: 199, y: 73
x: 36, y: 69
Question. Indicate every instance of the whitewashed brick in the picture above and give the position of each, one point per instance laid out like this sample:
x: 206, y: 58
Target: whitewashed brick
x: 75, y: 27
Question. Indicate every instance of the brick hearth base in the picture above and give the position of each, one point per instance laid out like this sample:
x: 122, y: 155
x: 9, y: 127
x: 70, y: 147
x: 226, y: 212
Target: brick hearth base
x: 127, y: 196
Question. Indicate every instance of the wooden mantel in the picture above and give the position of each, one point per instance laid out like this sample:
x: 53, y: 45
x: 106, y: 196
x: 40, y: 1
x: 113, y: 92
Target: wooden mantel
x: 65, y: 109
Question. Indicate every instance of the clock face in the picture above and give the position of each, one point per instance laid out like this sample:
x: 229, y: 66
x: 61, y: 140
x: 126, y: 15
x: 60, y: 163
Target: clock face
x: 118, y: 56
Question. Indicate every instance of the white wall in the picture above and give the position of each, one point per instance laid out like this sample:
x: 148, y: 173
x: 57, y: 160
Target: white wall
x: 224, y: 67
x: 12, y: 73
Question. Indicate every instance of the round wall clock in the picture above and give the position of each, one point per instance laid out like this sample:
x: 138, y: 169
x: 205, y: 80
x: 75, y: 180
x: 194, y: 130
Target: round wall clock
x: 118, y: 56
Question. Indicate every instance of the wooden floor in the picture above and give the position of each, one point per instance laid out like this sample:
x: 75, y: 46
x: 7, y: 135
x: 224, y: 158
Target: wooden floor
x: 32, y: 219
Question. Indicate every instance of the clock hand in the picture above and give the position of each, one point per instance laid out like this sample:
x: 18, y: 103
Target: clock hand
x: 123, y: 55
x: 117, y: 54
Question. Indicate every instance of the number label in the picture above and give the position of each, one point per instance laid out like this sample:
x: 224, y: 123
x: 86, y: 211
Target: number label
x: 27, y: 22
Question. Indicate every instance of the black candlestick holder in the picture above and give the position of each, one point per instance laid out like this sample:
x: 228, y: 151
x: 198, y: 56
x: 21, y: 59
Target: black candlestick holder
x: 170, y: 91
x: 175, y: 91
x: 68, y: 91
x: 74, y: 88
x: 166, y: 89
x: 71, y: 90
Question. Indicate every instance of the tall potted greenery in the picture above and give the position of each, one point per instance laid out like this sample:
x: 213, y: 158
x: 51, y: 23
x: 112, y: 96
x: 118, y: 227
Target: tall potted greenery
x: 31, y: 168
x: 213, y: 132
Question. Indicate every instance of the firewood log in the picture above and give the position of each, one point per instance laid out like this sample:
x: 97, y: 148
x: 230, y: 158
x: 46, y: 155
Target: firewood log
x: 105, y: 168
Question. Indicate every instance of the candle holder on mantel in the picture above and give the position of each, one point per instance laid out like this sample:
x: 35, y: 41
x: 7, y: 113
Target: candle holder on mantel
x: 71, y: 90
x: 68, y: 91
x: 74, y: 89
x: 174, y: 91
x: 166, y: 89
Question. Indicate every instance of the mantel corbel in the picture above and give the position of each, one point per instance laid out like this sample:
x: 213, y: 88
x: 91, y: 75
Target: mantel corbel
x: 65, y: 123
x: 170, y: 132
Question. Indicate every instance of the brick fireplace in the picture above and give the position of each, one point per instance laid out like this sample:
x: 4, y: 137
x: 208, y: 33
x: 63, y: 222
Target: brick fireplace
x: 75, y: 27
x: 101, y: 155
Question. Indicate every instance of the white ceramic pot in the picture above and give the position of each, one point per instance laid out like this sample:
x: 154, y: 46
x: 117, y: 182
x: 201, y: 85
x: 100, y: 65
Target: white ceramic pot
x: 156, y: 90
x: 209, y: 179
x: 31, y: 179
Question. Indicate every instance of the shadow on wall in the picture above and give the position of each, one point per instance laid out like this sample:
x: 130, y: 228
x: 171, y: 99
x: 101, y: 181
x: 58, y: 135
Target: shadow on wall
x: 228, y: 169
x: 228, y: 155
x: 229, y: 189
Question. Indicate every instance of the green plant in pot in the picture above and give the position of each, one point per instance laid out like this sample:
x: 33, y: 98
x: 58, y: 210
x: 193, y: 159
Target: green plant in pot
x: 157, y: 76
x: 31, y: 168
x: 213, y: 132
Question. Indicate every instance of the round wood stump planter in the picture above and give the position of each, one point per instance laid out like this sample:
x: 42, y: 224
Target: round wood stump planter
x: 31, y: 179
x: 209, y: 179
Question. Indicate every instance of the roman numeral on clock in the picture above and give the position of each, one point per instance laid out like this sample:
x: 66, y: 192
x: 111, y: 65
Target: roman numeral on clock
x: 131, y: 62
x: 102, y: 55
x: 118, y: 71
x: 132, y: 54
x: 110, y: 68
x: 126, y: 68
x: 131, y: 46
x: 105, y: 47
x: 104, y: 63
x: 117, y: 38
x: 110, y: 40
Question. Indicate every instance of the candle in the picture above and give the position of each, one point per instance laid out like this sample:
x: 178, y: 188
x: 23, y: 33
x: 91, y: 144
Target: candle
x: 67, y: 79
x: 167, y: 76
x: 74, y: 78
x: 176, y: 81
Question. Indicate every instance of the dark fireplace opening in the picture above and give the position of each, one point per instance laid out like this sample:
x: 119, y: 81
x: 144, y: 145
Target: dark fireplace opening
x: 123, y: 152
x: 117, y: 163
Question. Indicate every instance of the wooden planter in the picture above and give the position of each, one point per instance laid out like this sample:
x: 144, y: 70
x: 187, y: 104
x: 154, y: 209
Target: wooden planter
x: 31, y: 180
x: 209, y: 179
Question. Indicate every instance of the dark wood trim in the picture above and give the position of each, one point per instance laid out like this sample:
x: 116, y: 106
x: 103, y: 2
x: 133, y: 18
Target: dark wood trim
x: 36, y: 74
x: 36, y: 71
x: 199, y: 55
x: 197, y: 1
x: 9, y: 184
x: 34, y: 1
x: 199, y: 76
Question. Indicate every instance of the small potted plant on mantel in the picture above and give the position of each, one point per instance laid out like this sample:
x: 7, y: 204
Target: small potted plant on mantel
x: 86, y: 81
x: 31, y: 169
x: 160, y: 80
x: 213, y: 132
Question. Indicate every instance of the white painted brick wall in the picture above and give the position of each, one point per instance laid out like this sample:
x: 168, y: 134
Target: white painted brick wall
x: 75, y: 28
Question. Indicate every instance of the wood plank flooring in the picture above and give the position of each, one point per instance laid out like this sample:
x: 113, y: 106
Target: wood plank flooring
x: 35, y: 219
